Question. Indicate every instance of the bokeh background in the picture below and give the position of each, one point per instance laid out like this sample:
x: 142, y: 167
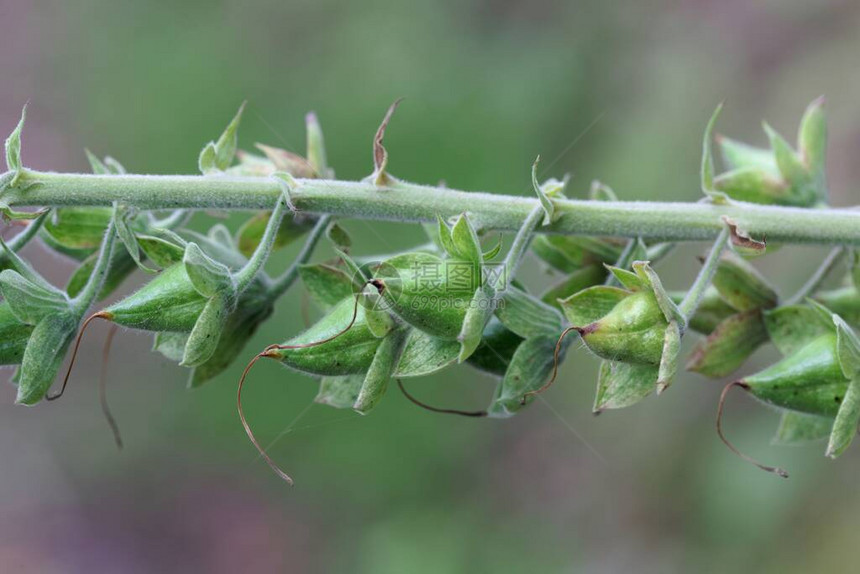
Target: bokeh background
x: 613, y: 90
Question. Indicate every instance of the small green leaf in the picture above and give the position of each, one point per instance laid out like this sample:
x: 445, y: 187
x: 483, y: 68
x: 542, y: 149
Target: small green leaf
x: 217, y: 156
x: 848, y: 348
x: 13, y: 150
x: 207, y: 163
x: 160, y: 251
x: 529, y: 369
x: 601, y: 192
x: 477, y: 316
x: 251, y: 232
x: 496, y: 350
x: 204, y: 337
x: 707, y: 170
x: 29, y: 301
x: 590, y: 305
x: 445, y: 238
x: 207, y: 275
x: 44, y: 355
x: 545, y: 201
x: 339, y: 392
x: 628, y: 279
x: 376, y: 380
x: 526, y: 315
x: 793, y: 327
x: 128, y: 239
x: 812, y: 144
x: 171, y: 345
x: 425, y: 354
x: 622, y: 385
x: 669, y: 359
x: 729, y: 345
x: 326, y: 284
x: 738, y: 155
x: 667, y: 306
x: 98, y: 167
x: 798, y: 428
x: 789, y: 164
x: 466, y: 243
x: 316, y: 148
x: 378, y: 320
x: 338, y: 236
x: 847, y: 418
x: 742, y: 286
x: 580, y: 279
x: 754, y: 185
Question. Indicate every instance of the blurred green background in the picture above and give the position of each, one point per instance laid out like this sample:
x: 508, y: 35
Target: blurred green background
x: 613, y: 90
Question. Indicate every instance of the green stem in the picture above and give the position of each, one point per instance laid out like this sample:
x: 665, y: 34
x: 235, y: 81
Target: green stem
x: 520, y: 245
x: 409, y: 202
x: 808, y: 288
x: 258, y: 258
x: 691, y: 300
x: 23, y: 238
x: 94, y: 284
x: 281, y: 284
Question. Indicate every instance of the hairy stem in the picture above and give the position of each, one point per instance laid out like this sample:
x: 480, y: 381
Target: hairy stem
x: 282, y: 283
x: 833, y: 258
x: 410, y: 202
x: 691, y: 300
x: 100, y: 270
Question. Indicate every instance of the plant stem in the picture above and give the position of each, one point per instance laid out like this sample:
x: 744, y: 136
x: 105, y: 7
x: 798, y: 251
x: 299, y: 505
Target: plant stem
x: 832, y: 259
x: 694, y: 295
x: 409, y: 202
x: 282, y: 283
x: 100, y: 270
x: 23, y: 238
x: 519, y: 246
x: 258, y: 258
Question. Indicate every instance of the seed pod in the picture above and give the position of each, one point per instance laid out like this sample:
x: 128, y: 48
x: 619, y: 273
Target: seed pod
x: 350, y: 350
x: 427, y: 292
x: 632, y: 331
x: 809, y: 381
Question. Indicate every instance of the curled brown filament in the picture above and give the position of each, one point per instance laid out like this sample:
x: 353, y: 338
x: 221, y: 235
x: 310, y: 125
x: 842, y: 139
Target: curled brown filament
x: 267, y: 352
x: 776, y: 470
x: 433, y: 409
x: 58, y: 394
x: 555, y: 361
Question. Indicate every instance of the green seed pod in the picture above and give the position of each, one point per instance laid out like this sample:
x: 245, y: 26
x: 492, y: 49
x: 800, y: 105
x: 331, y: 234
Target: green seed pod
x: 809, y: 381
x: 350, y: 352
x: 427, y: 292
x: 167, y: 303
x: 633, y: 331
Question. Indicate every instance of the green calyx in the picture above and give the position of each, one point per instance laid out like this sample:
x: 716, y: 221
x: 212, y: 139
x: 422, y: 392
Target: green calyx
x: 781, y: 175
